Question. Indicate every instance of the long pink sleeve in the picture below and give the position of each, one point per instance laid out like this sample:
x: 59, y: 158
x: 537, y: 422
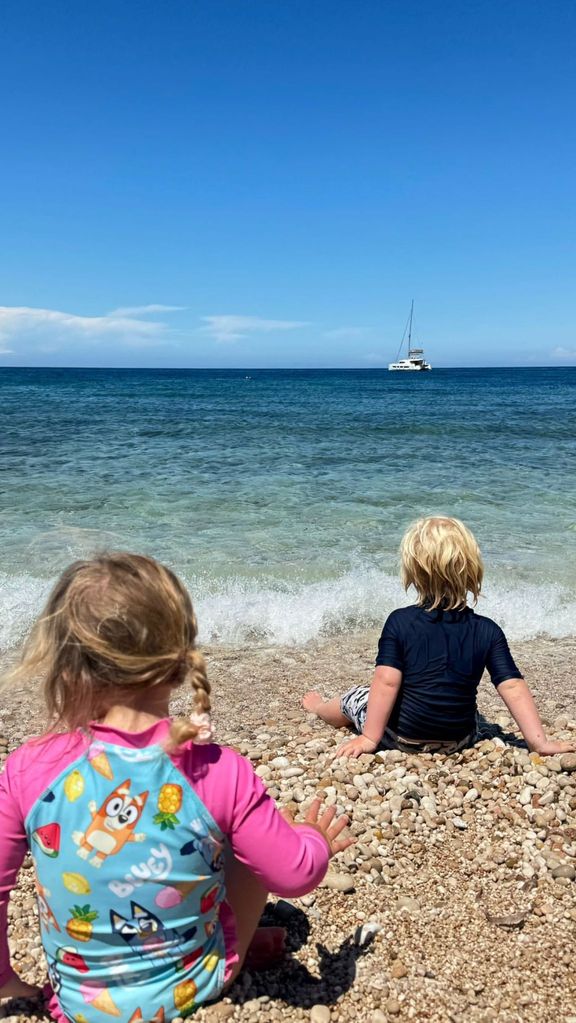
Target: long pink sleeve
x: 289, y: 861
x: 13, y: 848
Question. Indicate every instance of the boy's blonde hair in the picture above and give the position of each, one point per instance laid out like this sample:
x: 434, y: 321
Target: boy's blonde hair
x: 441, y: 559
x: 112, y: 625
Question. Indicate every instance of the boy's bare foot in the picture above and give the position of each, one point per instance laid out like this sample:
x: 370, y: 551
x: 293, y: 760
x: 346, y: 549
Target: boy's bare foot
x: 311, y: 701
x: 326, y: 710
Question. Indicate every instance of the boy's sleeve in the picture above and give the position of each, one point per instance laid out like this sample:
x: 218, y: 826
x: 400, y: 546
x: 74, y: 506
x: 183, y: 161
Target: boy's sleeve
x: 288, y: 861
x: 390, y: 653
x: 500, y: 663
x: 13, y: 848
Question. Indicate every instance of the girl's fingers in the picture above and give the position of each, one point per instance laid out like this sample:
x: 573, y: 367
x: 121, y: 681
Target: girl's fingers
x: 327, y: 818
x: 339, y: 826
x: 313, y: 811
x: 341, y: 845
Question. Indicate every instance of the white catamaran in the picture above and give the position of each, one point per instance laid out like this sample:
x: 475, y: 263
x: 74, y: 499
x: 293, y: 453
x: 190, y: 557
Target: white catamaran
x: 415, y: 360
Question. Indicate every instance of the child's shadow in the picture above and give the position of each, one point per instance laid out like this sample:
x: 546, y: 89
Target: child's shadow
x: 292, y: 982
x: 486, y: 729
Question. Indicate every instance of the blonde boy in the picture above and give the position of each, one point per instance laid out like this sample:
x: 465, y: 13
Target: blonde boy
x: 431, y: 657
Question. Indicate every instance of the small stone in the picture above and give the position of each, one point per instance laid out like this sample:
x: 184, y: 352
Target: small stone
x: 392, y: 1007
x: 565, y: 870
x: 320, y: 1014
x: 223, y: 1010
x: 399, y: 969
x: 568, y: 762
x: 338, y: 882
x: 377, y: 1017
x: 405, y: 902
x: 459, y: 823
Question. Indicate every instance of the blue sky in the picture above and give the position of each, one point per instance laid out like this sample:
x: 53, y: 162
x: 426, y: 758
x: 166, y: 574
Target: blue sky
x: 270, y: 182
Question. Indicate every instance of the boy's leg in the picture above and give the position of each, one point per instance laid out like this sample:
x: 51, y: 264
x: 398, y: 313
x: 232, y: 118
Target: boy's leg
x: 328, y: 710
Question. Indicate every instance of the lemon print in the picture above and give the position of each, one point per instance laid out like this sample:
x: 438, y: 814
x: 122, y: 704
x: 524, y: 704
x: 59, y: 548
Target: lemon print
x: 210, y: 962
x: 76, y: 883
x: 80, y: 1018
x: 74, y: 786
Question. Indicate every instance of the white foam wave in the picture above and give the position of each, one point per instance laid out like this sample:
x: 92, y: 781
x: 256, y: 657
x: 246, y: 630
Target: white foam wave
x: 241, y: 612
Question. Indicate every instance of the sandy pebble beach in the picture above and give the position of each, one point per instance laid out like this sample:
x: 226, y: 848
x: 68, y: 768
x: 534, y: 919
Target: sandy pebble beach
x: 458, y: 900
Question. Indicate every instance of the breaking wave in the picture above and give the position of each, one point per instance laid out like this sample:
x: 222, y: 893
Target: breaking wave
x: 240, y: 612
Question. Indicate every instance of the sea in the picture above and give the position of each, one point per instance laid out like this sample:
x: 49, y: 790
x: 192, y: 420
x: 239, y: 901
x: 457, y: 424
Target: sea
x: 281, y: 496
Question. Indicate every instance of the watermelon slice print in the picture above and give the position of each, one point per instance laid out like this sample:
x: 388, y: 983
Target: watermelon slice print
x: 48, y: 838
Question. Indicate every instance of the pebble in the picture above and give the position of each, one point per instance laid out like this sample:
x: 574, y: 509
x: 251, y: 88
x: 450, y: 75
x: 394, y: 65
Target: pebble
x: 399, y: 969
x: 219, y: 1012
x: 405, y: 902
x: 568, y: 762
x: 338, y: 882
x: 392, y: 1007
x: 565, y: 870
x: 320, y: 1014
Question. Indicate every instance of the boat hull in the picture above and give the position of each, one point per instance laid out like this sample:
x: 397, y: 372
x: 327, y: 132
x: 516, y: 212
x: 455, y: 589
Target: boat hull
x: 396, y: 367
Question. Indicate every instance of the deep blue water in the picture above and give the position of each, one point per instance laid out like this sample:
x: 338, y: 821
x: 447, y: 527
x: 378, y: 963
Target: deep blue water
x: 281, y: 496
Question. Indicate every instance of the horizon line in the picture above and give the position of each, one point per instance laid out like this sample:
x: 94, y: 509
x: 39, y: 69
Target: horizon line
x: 258, y: 369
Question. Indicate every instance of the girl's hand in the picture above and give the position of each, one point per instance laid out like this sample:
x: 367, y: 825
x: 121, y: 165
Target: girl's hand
x: 356, y: 747
x: 549, y: 749
x: 328, y: 825
x: 14, y: 987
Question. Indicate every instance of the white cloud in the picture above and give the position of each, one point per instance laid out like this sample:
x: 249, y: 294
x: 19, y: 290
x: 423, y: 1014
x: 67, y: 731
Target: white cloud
x: 563, y: 353
x: 347, y: 332
x: 145, y: 310
x: 227, y: 329
x: 56, y: 329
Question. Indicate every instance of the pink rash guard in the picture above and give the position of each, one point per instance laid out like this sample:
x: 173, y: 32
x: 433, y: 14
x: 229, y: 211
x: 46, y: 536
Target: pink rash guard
x: 288, y: 861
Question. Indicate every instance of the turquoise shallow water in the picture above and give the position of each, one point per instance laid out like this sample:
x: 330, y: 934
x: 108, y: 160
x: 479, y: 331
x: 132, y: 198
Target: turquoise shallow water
x: 281, y: 496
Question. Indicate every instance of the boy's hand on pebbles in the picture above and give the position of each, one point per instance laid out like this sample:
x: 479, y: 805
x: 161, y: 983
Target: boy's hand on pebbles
x: 356, y: 747
x: 329, y: 825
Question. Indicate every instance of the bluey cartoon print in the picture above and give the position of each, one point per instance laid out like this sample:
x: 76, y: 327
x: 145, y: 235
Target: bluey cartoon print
x: 112, y: 826
x: 210, y: 848
x: 145, y: 933
x: 47, y: 918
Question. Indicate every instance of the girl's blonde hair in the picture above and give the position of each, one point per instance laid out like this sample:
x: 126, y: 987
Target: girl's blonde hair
x: 441, y: 559
x: 113, y: 625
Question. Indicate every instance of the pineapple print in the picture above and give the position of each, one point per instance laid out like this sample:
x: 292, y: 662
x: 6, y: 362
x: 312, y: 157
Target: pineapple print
x: 184, y: 995
x: 79, y: 926
x: 169, y: 802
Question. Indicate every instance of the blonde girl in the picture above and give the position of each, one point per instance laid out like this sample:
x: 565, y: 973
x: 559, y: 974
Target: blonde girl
x: 431, y: 657
x: 154, y: 848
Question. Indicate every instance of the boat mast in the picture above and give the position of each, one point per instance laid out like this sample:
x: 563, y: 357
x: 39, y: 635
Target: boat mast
x: 410, y: 328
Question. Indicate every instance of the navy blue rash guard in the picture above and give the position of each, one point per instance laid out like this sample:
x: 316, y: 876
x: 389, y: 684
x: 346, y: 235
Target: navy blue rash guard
x: 442, y: 655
